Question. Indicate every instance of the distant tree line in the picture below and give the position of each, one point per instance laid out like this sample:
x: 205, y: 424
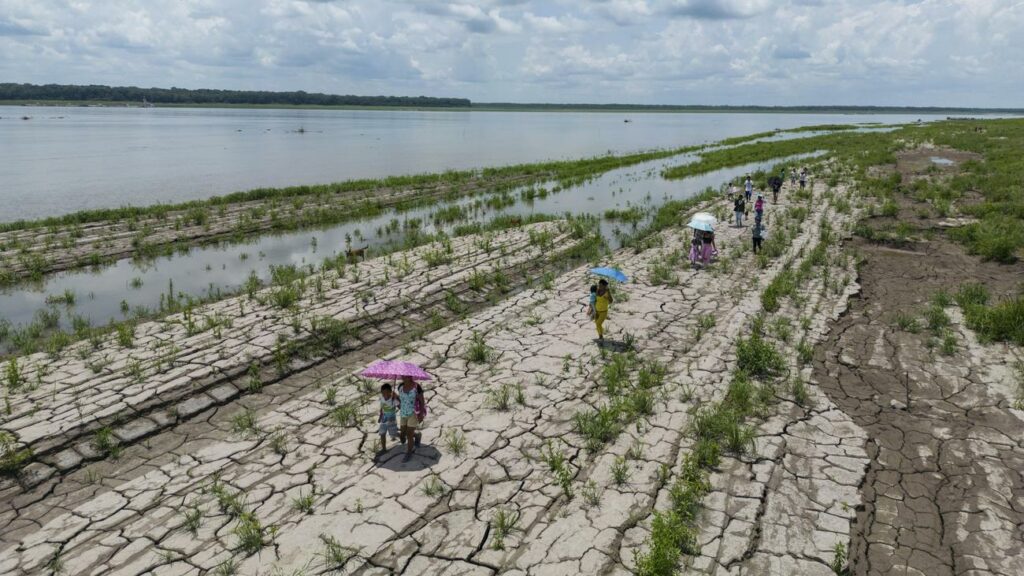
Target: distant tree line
x: 99, y: 93
x: 839, y: 108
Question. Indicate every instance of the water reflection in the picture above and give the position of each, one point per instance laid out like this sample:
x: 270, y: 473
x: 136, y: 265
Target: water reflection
x: 107, y: 294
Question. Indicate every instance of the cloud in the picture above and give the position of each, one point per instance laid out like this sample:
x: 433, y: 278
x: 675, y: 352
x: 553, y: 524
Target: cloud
x: 790, y: 53
x: 653, y: 51
x: 11, y: 28
x: 717, y: 9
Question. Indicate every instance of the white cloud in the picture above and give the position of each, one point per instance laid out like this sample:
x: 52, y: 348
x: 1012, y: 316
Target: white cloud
x: 653, y: 51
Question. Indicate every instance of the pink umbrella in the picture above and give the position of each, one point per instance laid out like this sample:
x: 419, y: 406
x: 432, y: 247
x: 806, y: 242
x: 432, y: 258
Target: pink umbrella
x: 395, y: 369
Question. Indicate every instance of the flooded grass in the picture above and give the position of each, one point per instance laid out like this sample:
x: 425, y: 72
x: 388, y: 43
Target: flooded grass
x: 50, y: 314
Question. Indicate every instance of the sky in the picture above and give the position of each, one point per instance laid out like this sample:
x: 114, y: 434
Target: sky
x: 784, y: 52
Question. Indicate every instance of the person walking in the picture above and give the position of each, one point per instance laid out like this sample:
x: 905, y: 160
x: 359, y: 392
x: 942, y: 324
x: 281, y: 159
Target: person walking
x: 748, y: 188
x: 708, y: 248
x: 757, y: 234
x: 696, y: 245
x: 776, y: 185
x: 412, y: 412
x: 759, y: 207
x: 604, y: 299
x: 803, y: 177
x: 739, y: 207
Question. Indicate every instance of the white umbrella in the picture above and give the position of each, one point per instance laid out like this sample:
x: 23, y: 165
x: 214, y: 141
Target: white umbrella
x: 704, y: 217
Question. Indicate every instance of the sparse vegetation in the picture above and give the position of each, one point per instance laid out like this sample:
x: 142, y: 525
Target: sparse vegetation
x: 757, y: 357
x: 193, y: 517
x: 433, y: 487
x: 12, y: 457
x: 455, y: 441
x: 104, y: 442
x: 907, y: 323
x: 839, y: 559
x: 245, y: 424
x: 503, y: 524
x: 303, y: 503
x: 334, y: 554
x: 500, y: 397
x: 478, y: 351
x: 620, y: 471
x: 252, y: 535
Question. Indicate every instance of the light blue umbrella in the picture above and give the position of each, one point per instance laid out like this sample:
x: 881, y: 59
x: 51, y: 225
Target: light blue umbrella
x: 701, y: 225
x: 613, y: 273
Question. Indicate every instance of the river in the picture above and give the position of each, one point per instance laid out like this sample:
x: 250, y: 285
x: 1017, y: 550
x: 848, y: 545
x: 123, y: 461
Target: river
x: 65, y: 159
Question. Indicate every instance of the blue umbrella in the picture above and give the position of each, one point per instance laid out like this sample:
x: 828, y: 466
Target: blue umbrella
x: 613, y: 273
x: 702, y: 225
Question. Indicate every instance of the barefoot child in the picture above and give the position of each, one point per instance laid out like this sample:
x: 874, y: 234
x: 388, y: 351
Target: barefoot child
x: 388, y: 417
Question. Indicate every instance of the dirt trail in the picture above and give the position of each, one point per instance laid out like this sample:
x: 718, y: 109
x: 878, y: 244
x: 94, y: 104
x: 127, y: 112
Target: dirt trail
x: 944, y: 493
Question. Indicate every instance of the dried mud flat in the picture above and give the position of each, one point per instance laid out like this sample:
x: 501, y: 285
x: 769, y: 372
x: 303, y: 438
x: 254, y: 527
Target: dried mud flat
x: 282, y: 477
x: 944, y: 493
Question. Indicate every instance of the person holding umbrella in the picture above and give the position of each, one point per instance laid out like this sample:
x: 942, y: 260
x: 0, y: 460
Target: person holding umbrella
x: 604, y: 296
x: 604, y: 299
x: 704, y: 248
x: 412, y: 404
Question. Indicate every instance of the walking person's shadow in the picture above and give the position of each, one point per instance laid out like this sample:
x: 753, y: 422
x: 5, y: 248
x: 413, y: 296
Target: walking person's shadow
x: 424, y: 457
x: 613, y: 345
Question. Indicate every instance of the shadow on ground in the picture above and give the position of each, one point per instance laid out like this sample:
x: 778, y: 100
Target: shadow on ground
x: 424, y: 457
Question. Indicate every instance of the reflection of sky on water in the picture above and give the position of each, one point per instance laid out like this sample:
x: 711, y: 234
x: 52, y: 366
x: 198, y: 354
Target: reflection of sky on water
x: 196, y: 272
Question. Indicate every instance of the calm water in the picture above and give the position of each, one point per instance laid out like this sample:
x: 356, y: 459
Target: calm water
x: 99, y: 294
x: 65, y: 159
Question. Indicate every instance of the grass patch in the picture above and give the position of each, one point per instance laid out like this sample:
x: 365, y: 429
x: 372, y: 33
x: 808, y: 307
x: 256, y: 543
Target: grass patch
x: 783, y: 285
x: 907, y: 322
x: 757, y: 357
x: 478, y: 351
x: 1000, y: 322
x: 455, y: 441
x: 334, y: 554
x: 12, y: 456
x: 503, y: 524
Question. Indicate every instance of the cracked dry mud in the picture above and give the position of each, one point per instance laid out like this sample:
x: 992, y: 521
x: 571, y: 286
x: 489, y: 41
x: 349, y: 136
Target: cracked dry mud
x: 126, y: 515
x: 779, y: 510
x: 180, y: 366
x: 944, y: 494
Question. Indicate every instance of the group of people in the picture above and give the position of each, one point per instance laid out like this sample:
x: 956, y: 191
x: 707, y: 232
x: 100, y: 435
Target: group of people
x: 739, y: 206
x: 703, y: 248
x: 402, y: 413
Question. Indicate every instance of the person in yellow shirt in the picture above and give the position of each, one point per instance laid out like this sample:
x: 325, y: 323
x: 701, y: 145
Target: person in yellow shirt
x: 604, y: 298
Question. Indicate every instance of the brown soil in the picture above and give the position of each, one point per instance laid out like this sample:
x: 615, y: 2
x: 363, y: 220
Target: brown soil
x: 943, y: 493
x: 918, y: 162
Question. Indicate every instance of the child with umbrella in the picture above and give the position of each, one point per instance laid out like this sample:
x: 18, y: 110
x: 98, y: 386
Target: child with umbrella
x: 412, y: 403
